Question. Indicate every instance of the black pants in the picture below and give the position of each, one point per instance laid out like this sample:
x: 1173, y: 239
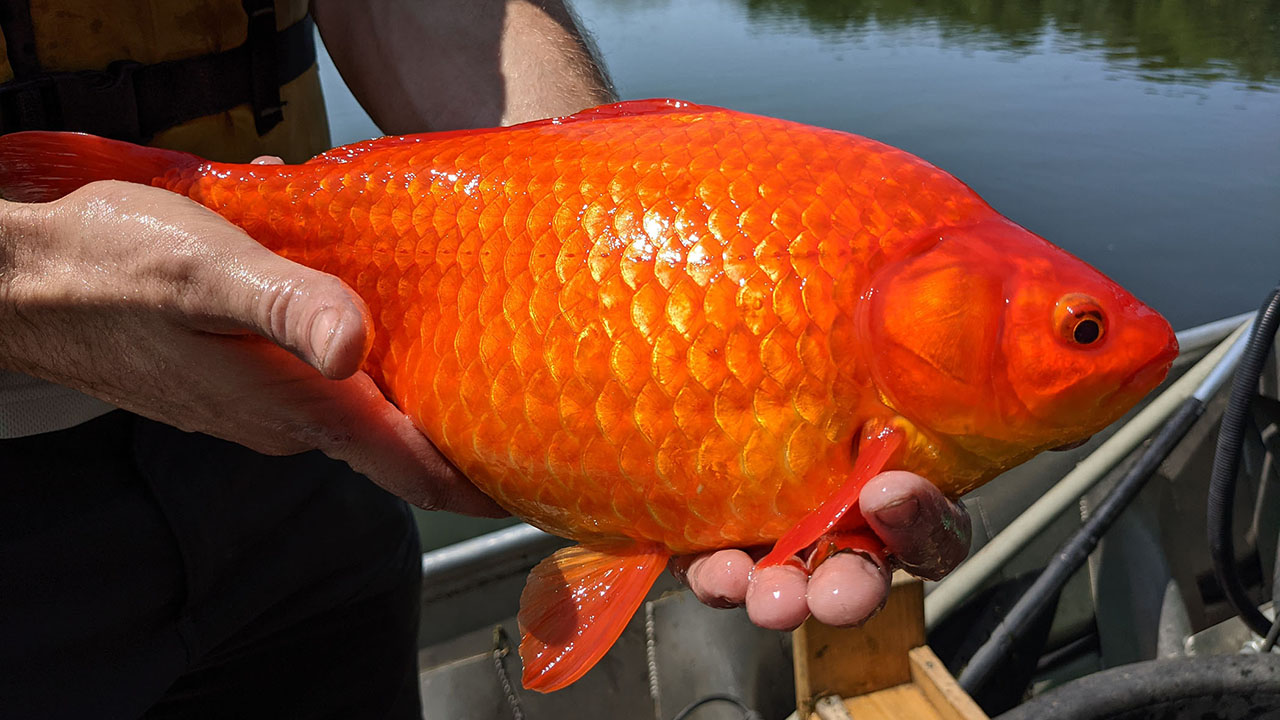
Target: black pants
x: 149, y: 572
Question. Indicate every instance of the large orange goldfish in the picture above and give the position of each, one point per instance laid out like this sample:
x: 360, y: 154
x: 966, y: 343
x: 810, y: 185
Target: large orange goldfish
x: 658, y: 328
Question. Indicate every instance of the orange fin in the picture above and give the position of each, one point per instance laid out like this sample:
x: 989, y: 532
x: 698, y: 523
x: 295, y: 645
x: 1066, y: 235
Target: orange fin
x: 575, y: 605
x: 347, y: 153
x: 873, y: 455
x: 38, y: 166
x: 628, y: 108
x: 862, y: 540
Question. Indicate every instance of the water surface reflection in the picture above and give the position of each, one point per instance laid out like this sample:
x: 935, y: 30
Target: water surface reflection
x: 1165, y: 40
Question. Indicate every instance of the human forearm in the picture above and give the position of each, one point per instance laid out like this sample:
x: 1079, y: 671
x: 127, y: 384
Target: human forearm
x: 418, y: 66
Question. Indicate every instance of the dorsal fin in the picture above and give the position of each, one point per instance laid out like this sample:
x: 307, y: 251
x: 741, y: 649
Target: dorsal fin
x: 347, y: 153
x: 626, y: 108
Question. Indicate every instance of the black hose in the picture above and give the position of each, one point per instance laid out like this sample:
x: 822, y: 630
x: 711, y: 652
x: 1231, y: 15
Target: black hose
x: 1209, y: 686
x: 1086, y: 642
x: 1076, y: 549
x: 1226, y: 464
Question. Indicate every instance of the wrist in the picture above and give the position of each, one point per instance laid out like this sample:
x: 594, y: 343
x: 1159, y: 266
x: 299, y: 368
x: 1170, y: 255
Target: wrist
x: 19, y: 239
x: 19, y: 226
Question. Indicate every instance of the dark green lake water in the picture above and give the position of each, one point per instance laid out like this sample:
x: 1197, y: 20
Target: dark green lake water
x: 1142, y: 136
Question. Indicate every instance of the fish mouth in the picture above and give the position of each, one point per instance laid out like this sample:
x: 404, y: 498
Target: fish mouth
x: 1149, y: 377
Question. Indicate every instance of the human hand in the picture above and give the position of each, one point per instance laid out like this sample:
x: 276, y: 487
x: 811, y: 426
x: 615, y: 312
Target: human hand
x: 156, y: 304
x: 923, y: 532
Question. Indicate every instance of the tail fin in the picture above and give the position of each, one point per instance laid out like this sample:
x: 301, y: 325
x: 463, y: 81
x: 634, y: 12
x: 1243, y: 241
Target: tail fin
x: 575, y: 605
x: 37, y: 166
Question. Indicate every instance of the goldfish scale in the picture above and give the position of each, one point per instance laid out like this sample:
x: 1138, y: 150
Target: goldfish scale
x: 621, y: 331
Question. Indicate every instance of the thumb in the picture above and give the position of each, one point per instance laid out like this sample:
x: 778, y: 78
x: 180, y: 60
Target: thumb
x: 926, y: 532
x: 313, y: 315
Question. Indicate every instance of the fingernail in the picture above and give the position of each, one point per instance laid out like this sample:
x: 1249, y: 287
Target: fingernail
x: 874, y: 565
x: 323, y: 328
x: 900, y: 514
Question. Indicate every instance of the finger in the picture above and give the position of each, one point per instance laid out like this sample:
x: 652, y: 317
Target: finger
x: 381, y: 442
x: 313, y: 315
x: 225, y: 281
x: 847, y: 589
x: 719, y: 578
x: 927, y: 533
x: 776, y: 597
x: 266, y: 160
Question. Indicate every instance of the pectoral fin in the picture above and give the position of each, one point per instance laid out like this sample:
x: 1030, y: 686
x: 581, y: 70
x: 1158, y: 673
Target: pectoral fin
x: 862, y: 540
x: 575, y: 605
x: 873, y: 455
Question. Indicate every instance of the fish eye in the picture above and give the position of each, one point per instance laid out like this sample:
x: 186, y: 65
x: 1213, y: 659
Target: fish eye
x: 1087, y: 331
x: 1079, y: 320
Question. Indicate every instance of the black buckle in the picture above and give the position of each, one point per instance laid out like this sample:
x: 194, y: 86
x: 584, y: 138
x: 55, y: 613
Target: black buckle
x: 100, y: 102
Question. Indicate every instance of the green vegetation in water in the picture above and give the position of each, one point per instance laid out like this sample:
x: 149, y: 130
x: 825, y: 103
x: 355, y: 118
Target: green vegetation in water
x: 1164, y: 40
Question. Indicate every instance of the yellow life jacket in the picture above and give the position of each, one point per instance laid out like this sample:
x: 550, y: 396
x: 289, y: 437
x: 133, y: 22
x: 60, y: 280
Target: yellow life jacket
x: 179, y: 54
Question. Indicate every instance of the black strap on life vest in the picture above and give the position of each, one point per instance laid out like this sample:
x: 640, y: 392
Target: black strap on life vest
x: 19, y: 39
x: 132, y: 101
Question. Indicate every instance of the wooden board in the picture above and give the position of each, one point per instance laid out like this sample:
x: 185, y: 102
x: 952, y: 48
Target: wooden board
x: 883, y: 670
x: 856, y: 661
x: 944, y: 693
x: 895, y: 703
x: 931, y: 695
